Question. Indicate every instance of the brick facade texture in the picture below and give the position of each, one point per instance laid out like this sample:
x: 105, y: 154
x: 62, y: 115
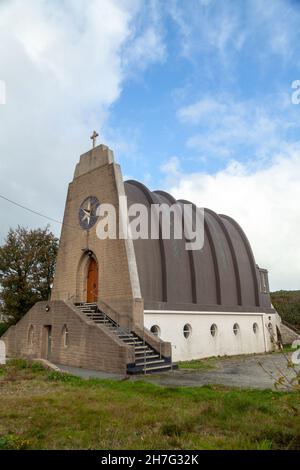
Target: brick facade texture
x: 89, y: 346
x: 70, y: 278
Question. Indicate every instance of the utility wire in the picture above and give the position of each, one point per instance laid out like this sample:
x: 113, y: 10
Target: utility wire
x: 35, y: 212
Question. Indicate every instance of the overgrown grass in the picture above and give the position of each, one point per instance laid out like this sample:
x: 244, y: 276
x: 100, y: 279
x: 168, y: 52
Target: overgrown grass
x: 48, y: 410
x: 287, y: 348
x: 202, y: 364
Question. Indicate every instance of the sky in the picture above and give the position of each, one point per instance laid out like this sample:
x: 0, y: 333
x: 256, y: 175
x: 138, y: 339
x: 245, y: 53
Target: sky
x: 194, y: 96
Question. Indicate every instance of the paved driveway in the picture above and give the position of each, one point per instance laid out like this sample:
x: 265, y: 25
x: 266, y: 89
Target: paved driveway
x: 259, y: 371
x: 238, y: 371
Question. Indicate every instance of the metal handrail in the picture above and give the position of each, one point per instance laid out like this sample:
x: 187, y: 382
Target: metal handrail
x: 126, y: 330
x: 121, y: 329
x: 107, y: 318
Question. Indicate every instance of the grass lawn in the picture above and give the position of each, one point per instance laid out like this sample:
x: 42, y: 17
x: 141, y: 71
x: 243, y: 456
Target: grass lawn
x: 202, y: 364
x: 47, y: 410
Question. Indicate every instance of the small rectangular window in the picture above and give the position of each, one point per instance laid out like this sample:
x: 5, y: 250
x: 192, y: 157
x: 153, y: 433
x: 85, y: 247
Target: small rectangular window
x: 264, y: 285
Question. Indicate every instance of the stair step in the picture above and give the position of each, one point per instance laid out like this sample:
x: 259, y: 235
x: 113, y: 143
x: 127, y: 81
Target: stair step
x: 95, y: 315
x: 159, y: 361
x: 148, y: 356
x: 165, y: 366
x: 134, y: 338
x: 148, y: 350
x: 134, y: 342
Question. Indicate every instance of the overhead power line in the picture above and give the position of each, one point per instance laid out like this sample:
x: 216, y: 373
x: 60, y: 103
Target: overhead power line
x: 36, y: 212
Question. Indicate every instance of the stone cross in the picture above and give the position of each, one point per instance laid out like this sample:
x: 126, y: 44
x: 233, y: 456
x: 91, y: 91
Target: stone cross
x: 94, y: 138
x: 2, y: 353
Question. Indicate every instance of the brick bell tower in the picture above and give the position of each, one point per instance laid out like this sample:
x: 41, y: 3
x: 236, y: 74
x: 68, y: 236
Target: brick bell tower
x: 89, y: 269
x: 71, y: 329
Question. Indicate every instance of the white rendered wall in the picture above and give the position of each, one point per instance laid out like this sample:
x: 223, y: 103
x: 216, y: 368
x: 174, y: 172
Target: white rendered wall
x: 201, y: 343
x: 2, y: 353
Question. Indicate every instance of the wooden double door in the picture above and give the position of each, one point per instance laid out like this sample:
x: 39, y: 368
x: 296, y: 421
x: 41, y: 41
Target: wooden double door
x: 92, y: 281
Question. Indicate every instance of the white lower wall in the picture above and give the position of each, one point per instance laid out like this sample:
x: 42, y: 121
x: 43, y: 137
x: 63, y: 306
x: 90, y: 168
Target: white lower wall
x: 201, y: 343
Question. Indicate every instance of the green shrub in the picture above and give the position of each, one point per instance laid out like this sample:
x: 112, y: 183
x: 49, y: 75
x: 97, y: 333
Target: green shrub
x: 65, y: 378
x: 22, y: 364
x: 37, y: 367
x: 19, y: 363
x: 287, y: 304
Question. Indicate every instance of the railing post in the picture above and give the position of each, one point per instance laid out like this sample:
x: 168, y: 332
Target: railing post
x: 171, y: 358
x: 144, y: 344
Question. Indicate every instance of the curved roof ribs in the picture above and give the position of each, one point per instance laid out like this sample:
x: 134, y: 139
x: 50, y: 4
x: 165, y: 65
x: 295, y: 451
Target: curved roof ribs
x: 213, y: 223
x: 233, y: 254
x: 250, y: 255
x: 213, y: 252
x: 172, y: 201
x: 151, y: 200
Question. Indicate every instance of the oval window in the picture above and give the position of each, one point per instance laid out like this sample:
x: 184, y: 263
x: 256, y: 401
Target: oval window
x: 213, y: 329
x: 187, y: 330
x: 236, y: 329
x: 155, y: 330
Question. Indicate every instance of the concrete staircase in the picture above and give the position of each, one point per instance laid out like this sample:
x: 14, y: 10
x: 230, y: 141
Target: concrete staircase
x: 147, y: 360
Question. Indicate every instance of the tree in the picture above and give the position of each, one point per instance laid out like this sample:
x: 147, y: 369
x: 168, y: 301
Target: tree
x: 27, y: 263
x: 287, y: 304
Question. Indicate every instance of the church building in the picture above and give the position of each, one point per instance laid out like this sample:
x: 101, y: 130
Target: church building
x: 141, y: 305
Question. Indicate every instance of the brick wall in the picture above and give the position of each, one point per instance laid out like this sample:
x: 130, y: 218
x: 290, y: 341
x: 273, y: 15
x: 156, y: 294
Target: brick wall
x: 90, y: 346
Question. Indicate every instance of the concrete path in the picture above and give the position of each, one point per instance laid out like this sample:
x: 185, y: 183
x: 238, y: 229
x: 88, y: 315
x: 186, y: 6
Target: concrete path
x: 241, y: 371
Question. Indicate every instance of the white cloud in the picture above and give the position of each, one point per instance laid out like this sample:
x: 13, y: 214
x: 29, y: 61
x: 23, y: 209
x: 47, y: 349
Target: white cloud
x: 229, y: 27
x: 148, y: 48
x: 196, y: 112
x: 147, y: 44
x: 264, y: 202
x: 64, y: 65
x: 172, y: 166
x: 226, y: 128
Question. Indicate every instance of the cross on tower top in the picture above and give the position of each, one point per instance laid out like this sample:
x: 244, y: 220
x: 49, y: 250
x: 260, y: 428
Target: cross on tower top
x: 94, y: 138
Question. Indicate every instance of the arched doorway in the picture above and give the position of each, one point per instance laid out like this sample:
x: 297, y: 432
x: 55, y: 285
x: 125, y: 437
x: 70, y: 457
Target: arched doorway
x: 92, y: 281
